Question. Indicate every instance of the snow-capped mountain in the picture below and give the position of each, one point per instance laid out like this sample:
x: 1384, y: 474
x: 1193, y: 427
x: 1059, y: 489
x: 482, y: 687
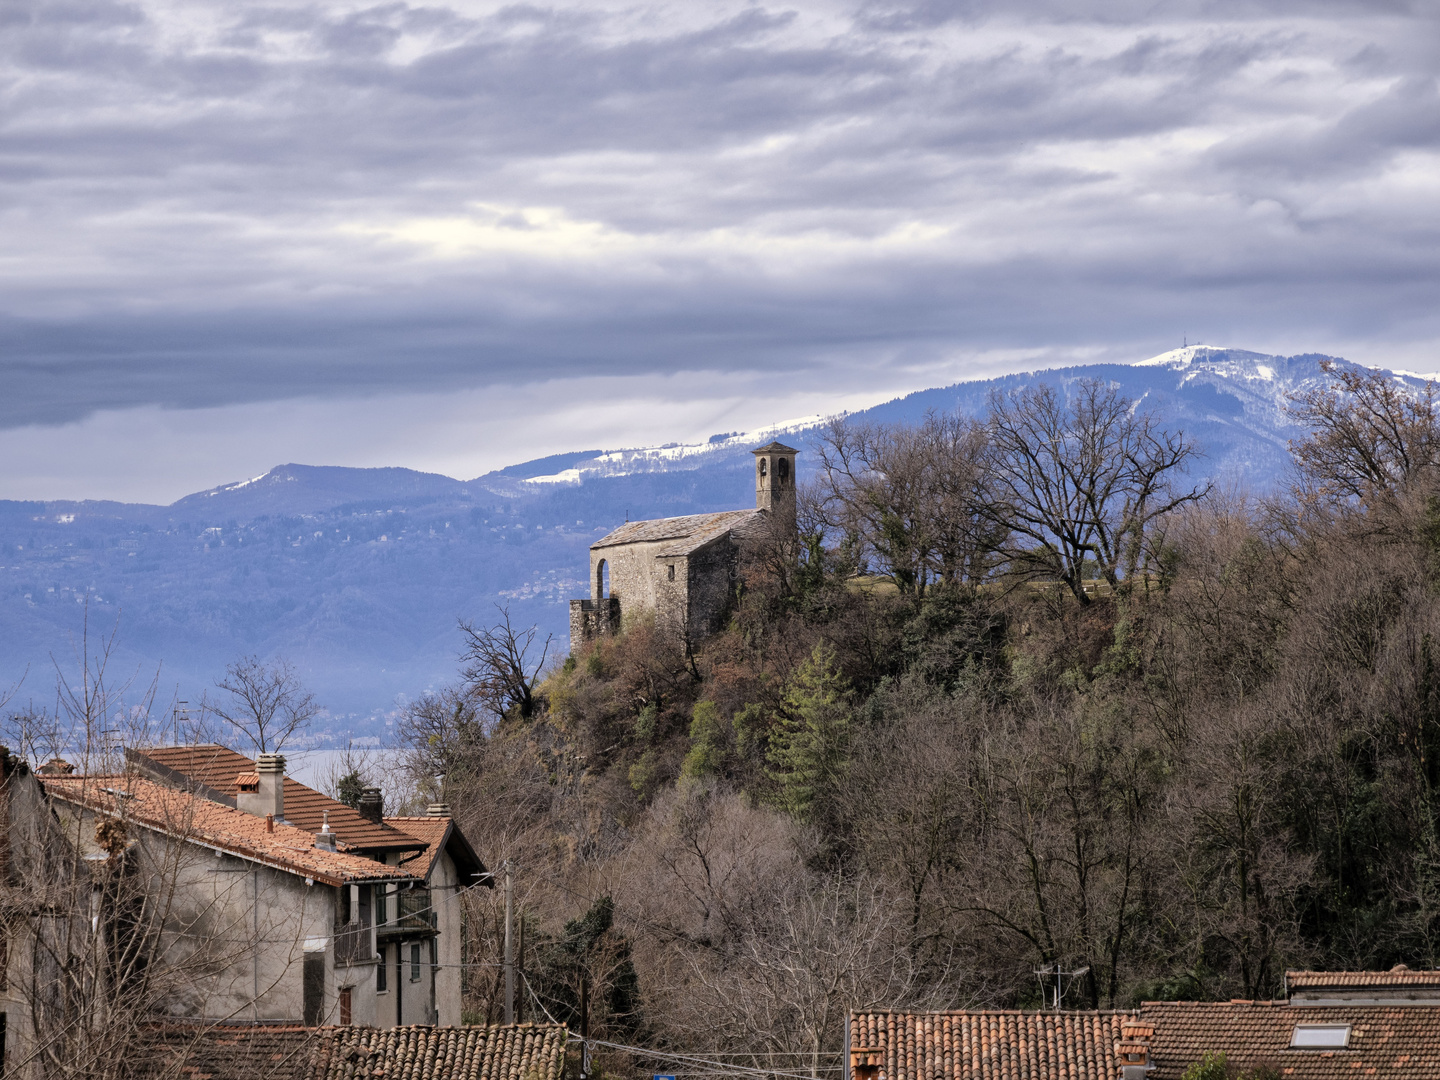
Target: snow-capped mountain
x: 1233, y: 402
x: 359, y: 575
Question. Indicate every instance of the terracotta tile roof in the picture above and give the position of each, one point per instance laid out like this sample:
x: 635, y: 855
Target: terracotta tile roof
x: 1386, y: 1042
x: 992, y: 1045
x: 520, y: 1052
x: 432, y: 830
x: 223, y: 1052
x: 1346, y: 980
x: 439, y: 834
x: 696, y: 529
x: 219, y: 768
x: 198, y: 820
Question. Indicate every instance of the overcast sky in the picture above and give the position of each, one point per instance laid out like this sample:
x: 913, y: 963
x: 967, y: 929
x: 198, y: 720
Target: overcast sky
x: 454, y: 236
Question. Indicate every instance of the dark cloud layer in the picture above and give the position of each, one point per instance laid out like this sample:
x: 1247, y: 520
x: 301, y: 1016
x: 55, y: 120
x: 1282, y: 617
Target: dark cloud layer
x: 212, y: 204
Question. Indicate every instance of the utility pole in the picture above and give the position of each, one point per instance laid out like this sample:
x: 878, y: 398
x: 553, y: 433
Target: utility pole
x: 509, y: 945
x: 584, y: 1025
x: 520, y: 968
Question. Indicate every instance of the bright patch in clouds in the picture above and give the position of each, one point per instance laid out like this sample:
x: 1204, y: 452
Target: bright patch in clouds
x: 223, y: 219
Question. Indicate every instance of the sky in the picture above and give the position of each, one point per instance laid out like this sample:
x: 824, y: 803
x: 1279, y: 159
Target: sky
x: 453, y: 236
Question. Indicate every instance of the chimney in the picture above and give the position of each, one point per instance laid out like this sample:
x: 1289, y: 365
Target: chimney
x: 438, y: 809
x: 56, y: 767
x: 325, y: 839
x: 1133, y: 1049
x: 263, y: 791
x: 372, y: 805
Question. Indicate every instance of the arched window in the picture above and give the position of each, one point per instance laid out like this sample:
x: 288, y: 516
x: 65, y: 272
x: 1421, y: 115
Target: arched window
x: 782, y: 469
x: 762, y: 466
x: 602, y: 586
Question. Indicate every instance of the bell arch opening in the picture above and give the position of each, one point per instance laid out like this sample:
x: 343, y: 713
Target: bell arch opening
x: 602, y: 583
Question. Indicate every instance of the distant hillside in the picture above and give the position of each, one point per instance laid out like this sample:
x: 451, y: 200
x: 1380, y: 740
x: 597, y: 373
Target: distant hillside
x: 360, y: 574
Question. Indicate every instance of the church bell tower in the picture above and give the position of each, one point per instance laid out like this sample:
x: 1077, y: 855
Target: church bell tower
x: 775, y: 479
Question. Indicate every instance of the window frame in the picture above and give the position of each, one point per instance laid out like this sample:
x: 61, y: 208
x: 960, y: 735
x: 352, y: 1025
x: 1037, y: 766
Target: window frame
x: 1342, y: 1029
x: 415, y: 961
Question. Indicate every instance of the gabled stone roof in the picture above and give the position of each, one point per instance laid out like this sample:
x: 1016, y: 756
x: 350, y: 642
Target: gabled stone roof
x: 195, y: 819
x: 689, y: 532
x: 265, y: 1052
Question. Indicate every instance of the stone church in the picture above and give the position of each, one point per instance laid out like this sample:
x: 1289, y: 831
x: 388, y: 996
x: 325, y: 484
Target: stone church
x: 684, y: 570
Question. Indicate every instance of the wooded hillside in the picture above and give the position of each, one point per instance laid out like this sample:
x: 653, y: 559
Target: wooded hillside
x: 1021, y: 695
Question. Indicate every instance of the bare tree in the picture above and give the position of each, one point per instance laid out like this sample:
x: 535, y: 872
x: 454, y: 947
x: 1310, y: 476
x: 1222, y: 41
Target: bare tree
x: 909, y: 497
x: 268, y: 706
x: 499, y: 672
x: 1078, y: 483
x: 1370, y: 434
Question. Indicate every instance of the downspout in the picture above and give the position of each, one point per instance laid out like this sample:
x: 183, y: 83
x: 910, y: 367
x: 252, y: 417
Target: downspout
x: 255, y: 945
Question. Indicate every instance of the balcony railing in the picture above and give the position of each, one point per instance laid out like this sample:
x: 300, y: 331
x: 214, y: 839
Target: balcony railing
x: 408, y: 911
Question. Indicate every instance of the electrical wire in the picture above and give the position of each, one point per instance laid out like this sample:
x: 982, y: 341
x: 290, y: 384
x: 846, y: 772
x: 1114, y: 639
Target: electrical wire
x: 718, y: 1067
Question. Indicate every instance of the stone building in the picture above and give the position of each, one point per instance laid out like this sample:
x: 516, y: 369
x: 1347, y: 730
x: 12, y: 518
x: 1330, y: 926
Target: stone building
x: 684, y: 570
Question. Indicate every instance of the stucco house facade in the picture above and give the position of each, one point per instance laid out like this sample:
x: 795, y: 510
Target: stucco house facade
x: 186, y: 876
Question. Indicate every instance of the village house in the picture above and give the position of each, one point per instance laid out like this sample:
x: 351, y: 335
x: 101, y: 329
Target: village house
x: 232, y: 891
x: 1381, y: 1025
x: 684, y: 571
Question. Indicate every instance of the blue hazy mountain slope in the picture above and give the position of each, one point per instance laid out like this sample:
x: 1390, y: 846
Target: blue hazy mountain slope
x: 301, y: 489
x: 360, y: 575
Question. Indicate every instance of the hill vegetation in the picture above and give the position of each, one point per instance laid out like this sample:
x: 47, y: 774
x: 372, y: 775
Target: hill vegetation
x: 1024, y: 698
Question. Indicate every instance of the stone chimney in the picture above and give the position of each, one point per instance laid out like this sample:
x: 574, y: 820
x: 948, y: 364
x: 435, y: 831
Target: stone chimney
x: 1133, y: 1049
x: 263, y: 791
x: 56, y: 767
x: 438, y: 809
x: 372, y: 805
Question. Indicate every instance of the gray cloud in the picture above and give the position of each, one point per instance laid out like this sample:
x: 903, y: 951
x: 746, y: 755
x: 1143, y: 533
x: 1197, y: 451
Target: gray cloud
x: 211, y: 205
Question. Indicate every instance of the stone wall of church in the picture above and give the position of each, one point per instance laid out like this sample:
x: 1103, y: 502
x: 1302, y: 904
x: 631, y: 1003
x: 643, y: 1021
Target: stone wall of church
x: 713, y: 575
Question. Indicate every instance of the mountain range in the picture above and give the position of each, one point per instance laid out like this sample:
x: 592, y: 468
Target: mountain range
x: 360, y: 576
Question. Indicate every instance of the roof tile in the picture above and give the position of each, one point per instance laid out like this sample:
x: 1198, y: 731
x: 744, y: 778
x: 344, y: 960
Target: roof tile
x: 221, y: 768
x: 198, y: 820
x: 696, y: 529
x: 1387, y: 1042
x: 222, y: 1052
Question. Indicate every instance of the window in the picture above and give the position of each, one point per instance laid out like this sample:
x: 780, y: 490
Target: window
x: 313, y: 988
x: 671, y: 568
x: 1321, y: 1036
x: 382, y: 973
x: 415, y: 962
x: 346, y: 1005
x: 762, y: 466
x: 342, y: 905
x: 381, y: 918
x: 782, y: 468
